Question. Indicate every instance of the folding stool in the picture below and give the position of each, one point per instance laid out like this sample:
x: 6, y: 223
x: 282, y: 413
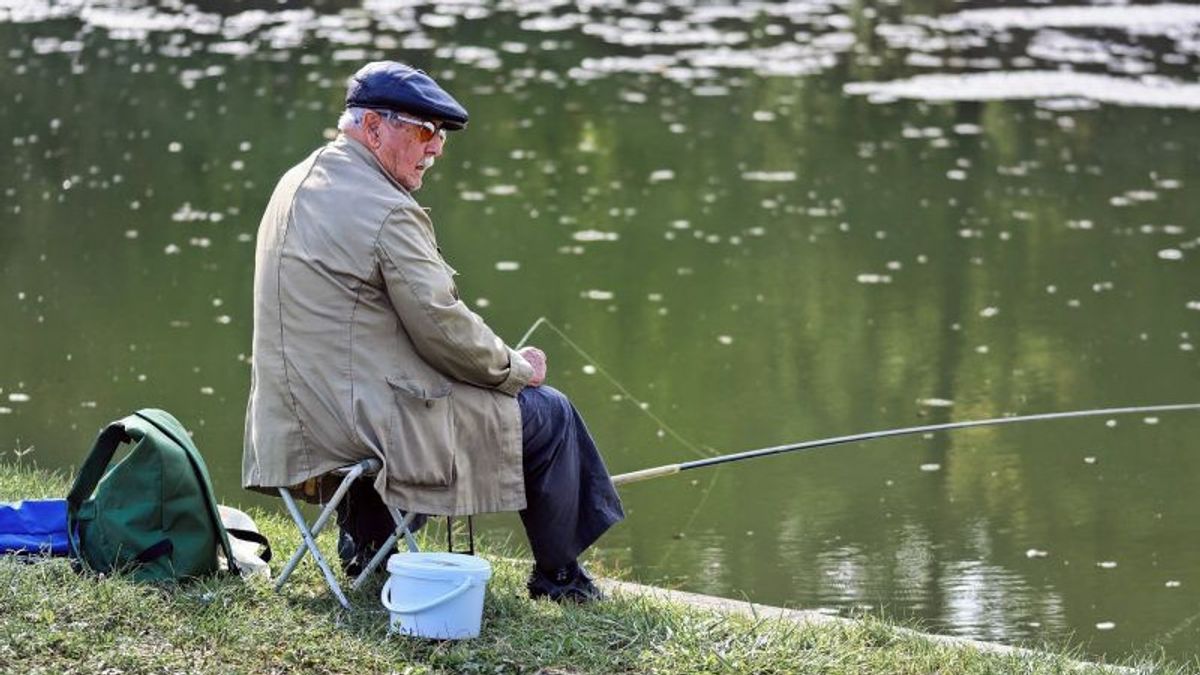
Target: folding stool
x: 348, y: 474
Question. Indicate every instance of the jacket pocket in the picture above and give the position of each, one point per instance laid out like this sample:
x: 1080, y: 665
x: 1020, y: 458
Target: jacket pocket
x: 422, y: 434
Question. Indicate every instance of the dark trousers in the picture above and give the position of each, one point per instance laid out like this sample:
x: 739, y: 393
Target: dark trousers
x: 570, y: 500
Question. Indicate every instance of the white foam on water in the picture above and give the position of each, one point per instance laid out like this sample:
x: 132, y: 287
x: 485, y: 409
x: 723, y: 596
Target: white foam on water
x: 1151, y: 92
x: 785, y: 60
x: 650, y: 63
x: 186, y: 214
x: 1142, y: 19
x: 50, y: 45
x: 27, y: 11
x: 1055, y: 45
x: 137, y: 23
x: 770, y: 176
x: 554, y: 24
x: 232, y: 48
x: 1067, y: 104
x: 651, y: 36
x: 594, y: 235
x: 480, y: 57
x: 872, y: 278
x: 250, y: 21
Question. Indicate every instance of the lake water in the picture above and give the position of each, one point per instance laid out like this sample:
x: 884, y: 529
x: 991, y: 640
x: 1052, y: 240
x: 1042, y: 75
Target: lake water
x: 762, y: 223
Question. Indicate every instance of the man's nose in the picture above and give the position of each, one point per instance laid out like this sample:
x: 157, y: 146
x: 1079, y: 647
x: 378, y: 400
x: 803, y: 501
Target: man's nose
x: 436, y: 145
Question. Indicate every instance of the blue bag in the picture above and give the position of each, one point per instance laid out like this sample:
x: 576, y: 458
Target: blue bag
x: 34, y: 527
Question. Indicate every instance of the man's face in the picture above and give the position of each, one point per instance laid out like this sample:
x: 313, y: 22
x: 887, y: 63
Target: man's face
x: 403, y: 149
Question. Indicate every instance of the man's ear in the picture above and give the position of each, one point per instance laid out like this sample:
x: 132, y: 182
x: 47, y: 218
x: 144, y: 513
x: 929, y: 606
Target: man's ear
x: 370, y: 123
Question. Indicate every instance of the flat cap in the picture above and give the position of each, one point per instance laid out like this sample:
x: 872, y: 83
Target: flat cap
x: 395, y: 86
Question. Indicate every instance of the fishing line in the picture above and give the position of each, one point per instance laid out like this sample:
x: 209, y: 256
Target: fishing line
x: 699, y: 505
x: 643, y: 407
x: 1168, y: 636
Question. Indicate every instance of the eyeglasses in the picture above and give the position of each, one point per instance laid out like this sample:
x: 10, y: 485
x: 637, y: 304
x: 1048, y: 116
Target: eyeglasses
x: 428, y: 129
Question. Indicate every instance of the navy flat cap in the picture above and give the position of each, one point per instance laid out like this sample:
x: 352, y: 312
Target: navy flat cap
x: 395, y: 86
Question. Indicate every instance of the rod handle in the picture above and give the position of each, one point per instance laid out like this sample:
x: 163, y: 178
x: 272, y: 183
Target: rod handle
x: 645, y: 474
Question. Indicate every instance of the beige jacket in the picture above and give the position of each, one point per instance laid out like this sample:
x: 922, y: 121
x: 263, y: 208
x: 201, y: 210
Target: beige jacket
x: 363, y: 348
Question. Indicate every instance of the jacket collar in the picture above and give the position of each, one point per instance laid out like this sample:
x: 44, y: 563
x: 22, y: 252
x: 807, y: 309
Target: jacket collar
x: 363, y: 154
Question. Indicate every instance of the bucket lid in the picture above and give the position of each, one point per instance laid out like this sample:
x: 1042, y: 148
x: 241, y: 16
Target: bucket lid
x: 450, y: 566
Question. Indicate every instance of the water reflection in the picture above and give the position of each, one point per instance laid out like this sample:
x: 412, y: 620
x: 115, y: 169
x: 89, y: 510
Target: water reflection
x: 989, y: 602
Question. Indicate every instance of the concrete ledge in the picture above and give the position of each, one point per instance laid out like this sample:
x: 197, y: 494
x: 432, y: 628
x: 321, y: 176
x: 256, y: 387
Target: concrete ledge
x: 804, y: 618
x: 722, y: 605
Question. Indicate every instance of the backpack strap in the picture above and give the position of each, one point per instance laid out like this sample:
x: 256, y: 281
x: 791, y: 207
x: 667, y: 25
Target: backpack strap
x: 89, y: 477
x: 155, y: 551
x: 254, y: 537
x: 201, y: 472
x: 97, y: 461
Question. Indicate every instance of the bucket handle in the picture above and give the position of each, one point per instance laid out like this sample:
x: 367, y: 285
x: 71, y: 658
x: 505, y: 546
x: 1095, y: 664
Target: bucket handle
x: 386, y: 597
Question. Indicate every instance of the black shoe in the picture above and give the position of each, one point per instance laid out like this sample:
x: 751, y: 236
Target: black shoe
x: 565, y: 584
x: 353, y: 558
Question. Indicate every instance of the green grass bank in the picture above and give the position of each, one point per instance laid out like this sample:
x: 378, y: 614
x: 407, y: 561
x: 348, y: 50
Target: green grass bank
x: 55, y: 621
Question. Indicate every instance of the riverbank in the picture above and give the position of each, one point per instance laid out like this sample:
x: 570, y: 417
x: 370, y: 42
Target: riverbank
x: 53, y: 620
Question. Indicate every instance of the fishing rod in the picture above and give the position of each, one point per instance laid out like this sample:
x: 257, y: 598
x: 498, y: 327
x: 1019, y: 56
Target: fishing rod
x: 671, y: 469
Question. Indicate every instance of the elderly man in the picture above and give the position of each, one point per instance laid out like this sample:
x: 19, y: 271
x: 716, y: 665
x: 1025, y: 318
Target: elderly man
x: 362, y: 347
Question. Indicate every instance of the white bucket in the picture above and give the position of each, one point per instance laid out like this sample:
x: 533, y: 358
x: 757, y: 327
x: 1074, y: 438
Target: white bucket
x: 436, y: 595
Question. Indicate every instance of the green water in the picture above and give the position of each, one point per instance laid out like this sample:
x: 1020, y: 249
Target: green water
x: 756, y: 255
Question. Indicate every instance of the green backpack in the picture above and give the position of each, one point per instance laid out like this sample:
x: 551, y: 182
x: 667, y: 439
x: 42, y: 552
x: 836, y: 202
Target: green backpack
x: 153, y: 515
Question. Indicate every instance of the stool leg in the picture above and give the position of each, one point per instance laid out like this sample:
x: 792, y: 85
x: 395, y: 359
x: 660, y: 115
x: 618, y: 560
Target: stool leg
x: 303, y: 527
x: 311, y: 544
x: 329, y: 510
x: 470, y: 535
x: 383, y: 552
x: 308, y: 535
x: 404, y: 522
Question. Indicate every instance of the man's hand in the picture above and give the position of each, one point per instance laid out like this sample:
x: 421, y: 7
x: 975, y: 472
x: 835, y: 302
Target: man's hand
x: 537, y: 359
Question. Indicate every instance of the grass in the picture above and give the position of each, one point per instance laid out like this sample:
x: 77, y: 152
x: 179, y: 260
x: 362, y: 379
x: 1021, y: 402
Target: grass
x: 53, y: 620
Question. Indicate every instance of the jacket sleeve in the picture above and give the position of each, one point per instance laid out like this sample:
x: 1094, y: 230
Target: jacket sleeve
x: 448, y: 335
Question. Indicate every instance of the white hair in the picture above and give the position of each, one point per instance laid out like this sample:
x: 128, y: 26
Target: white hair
x: 351, y: 117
